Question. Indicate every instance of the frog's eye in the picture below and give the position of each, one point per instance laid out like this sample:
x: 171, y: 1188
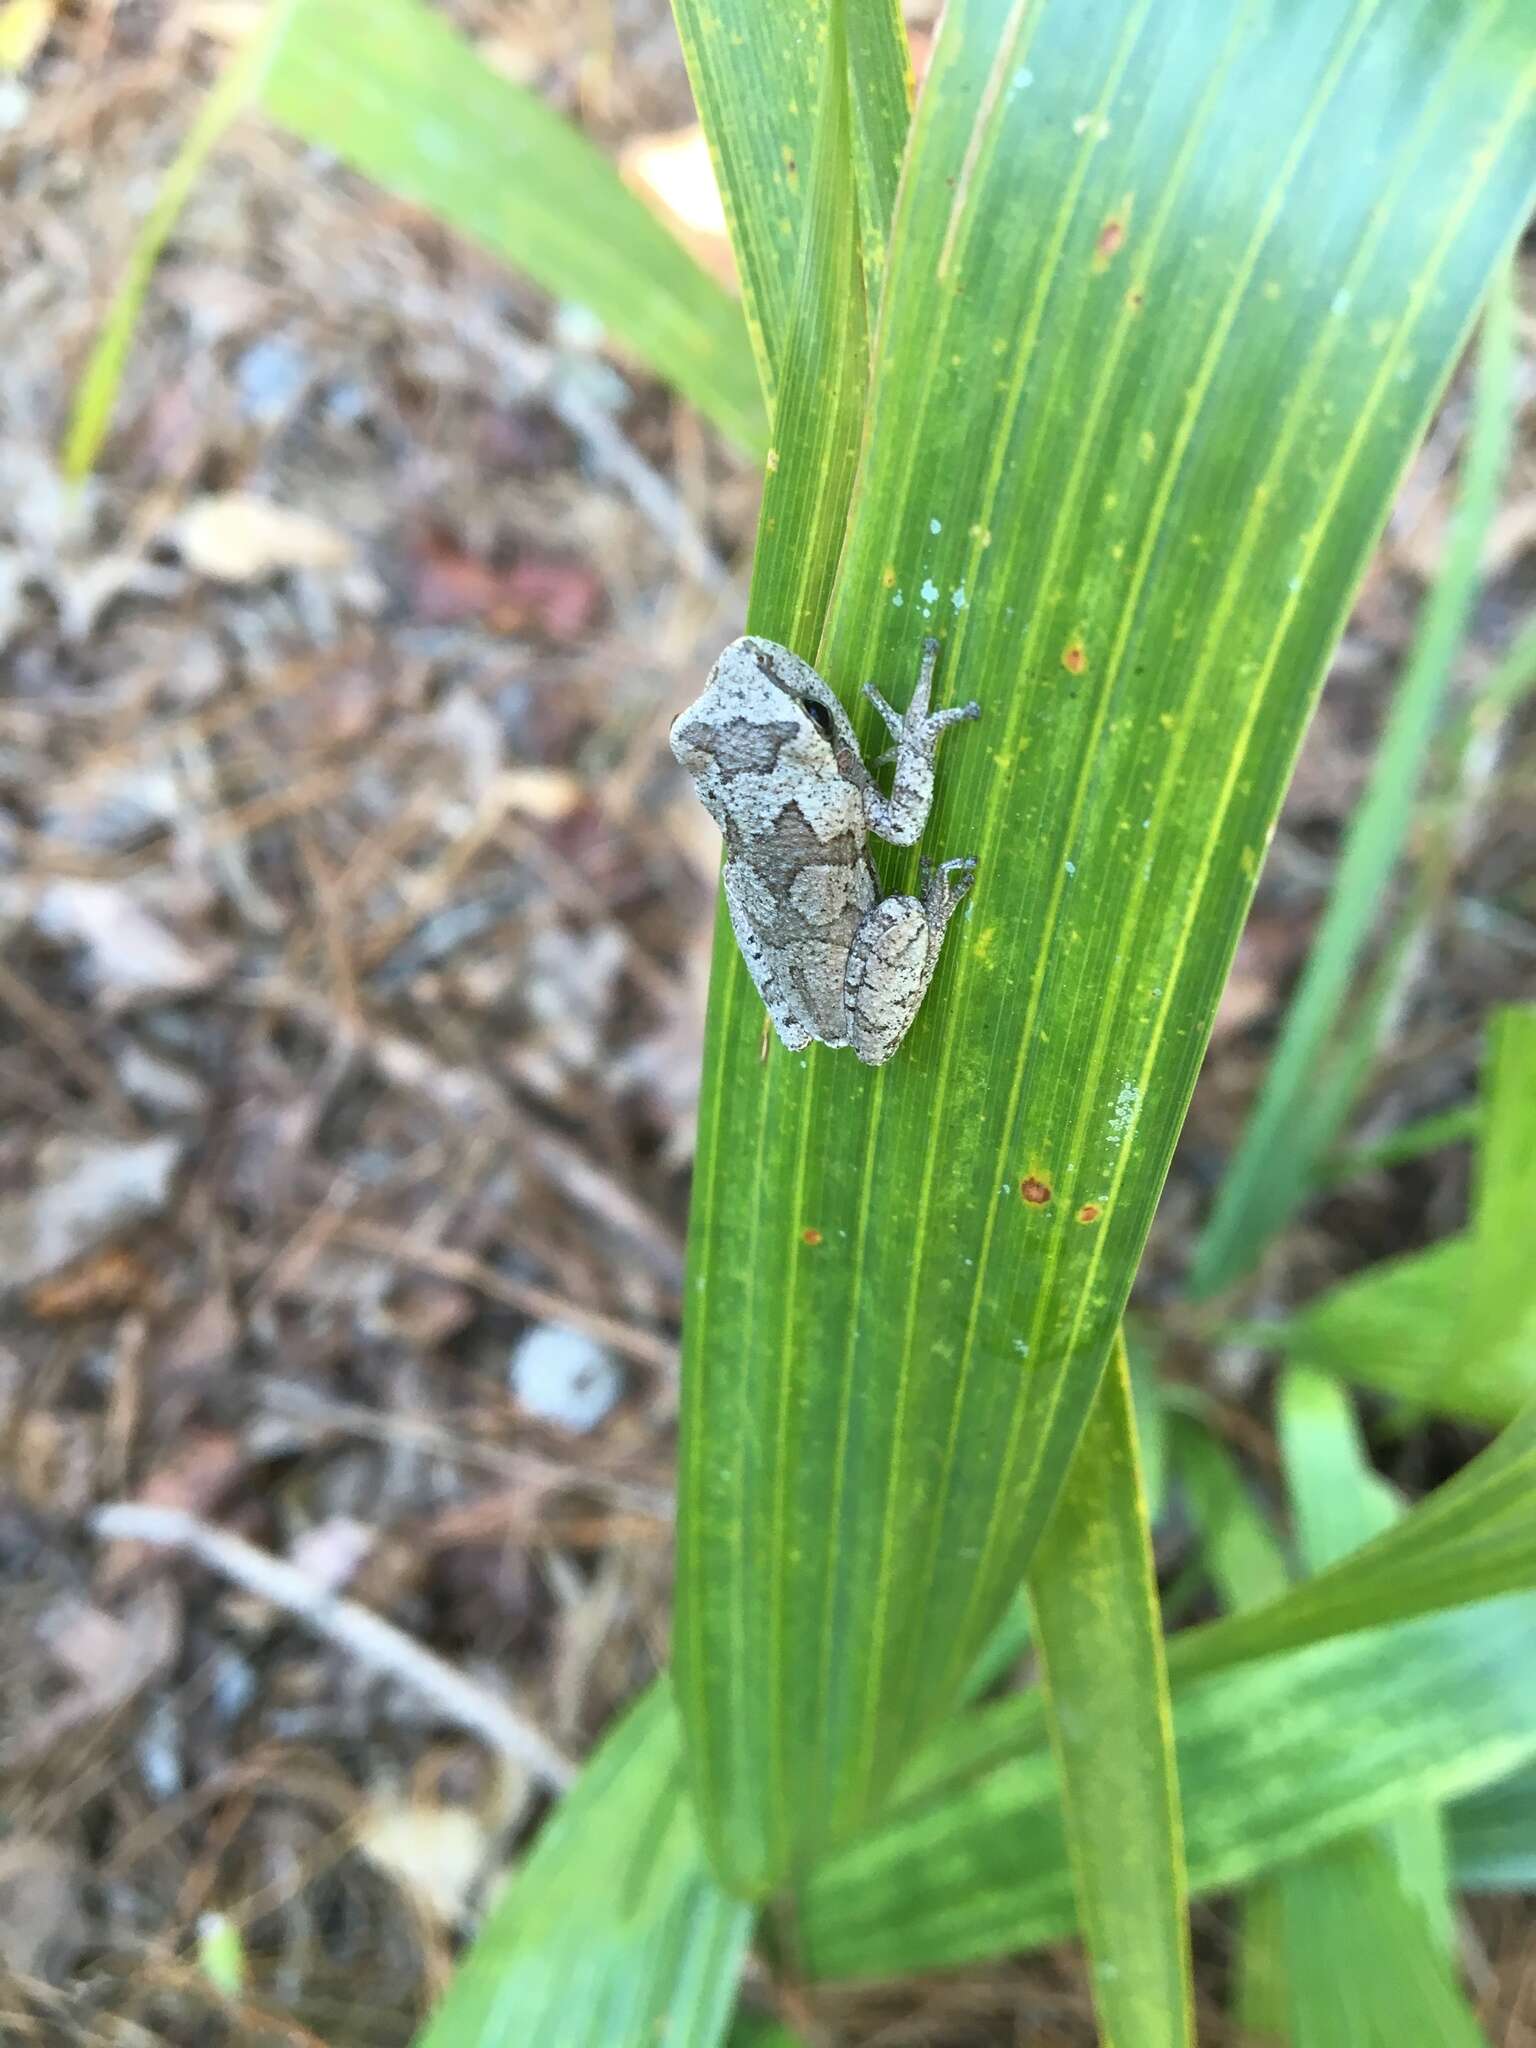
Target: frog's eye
x: 818, y: 714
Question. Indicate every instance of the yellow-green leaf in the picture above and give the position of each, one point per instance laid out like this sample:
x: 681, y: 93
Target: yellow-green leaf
x: 1276, y: 1759
x: 1096, y: 1620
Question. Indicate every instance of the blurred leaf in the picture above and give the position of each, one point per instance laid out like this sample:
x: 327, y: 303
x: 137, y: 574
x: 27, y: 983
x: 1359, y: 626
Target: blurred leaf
x: 238, y: 85
x: 1411, y: 1141
x: 1341, y: 1504
x: 1362, y: 1974
x: 390, y: 88
x: 1453, y: 1328
x: 1002, y: 1649
x: 1473, y: 1537
x: 1275, y: 1759
x: 1316, y: 1068
x: 1242, y: 1554
x: 1493, y: 1836
x: 394, y: 91
x: 612, y: 1934
x: 1259, y: 2006
x: 1094, y: 1600
x: 756, y: 73
x: 1124, y: 235
x: 1405, y: 1920
x: 1151, y: 1417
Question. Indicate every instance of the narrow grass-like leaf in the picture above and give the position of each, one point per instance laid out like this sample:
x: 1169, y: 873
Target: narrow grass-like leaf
x: 1243, y: 1556
x: 880, y: 87
x: 613, y: 1934
x: 1339, y: 1504
x: 391, y: 88
x: 1300, y: 1111
x: 1453, y: 1328
x: 1276, y: 1759
x: 1126, y: 236
x: 1493, y: 1836
x: 1410, y: 1141
x: 1094, y: 1599
x: 822, y: 385
x: 1472, y: 1538
x: 1259, y: 2007
x: 756, y: 73
x: 824, y: 377
x: 1151, y: 1418
x: 238, y: 85
x: 1361, y: 1973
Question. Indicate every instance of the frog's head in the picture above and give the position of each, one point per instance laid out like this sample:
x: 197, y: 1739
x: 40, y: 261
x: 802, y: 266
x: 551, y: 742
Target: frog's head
x: 763, y: 711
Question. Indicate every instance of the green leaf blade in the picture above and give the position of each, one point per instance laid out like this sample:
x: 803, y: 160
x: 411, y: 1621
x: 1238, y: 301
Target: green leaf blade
x: 1275, y: 1759
x: 1298, y: 1116
x: 1094, y: 1601
x: 613, y: 1934
x: 1139, y: 487
x: 393, y: 90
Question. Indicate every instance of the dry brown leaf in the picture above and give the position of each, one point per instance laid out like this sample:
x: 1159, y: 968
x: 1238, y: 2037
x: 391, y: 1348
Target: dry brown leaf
x: 106, y: 1280
x: 237, y: 537
x: 437, y: 1853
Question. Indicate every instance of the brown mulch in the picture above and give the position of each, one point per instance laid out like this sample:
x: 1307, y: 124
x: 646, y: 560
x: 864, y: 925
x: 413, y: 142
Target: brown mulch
x: 354, y: 931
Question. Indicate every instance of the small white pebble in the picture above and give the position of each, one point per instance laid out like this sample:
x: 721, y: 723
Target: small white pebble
x: 565, y: 1377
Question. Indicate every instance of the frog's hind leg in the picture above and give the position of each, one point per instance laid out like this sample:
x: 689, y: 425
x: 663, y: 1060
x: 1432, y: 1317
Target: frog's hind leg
x: 771, y: 983
x: 892, y: 958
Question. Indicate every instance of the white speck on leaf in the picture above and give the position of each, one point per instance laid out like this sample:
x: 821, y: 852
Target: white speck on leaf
x: 930, y: 591
x: 897, y: 598
x: 1022, y: 79
x: 1126, y: 1104
x: 957, y: 597
x: 935, y: 526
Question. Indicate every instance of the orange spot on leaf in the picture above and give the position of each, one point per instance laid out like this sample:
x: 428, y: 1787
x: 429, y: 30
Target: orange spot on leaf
x: 811, y: 1236
x: 1111, y: 237
x: 1035, y: 1192
x: 1074, y: 657
x: 1090, y: 1212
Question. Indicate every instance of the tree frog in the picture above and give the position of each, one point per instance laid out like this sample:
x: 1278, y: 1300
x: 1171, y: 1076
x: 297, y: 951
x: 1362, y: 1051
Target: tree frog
x: 775, y: 762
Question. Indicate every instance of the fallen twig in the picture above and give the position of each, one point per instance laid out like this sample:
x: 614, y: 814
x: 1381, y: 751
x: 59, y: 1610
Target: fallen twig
x: 367, y: 1636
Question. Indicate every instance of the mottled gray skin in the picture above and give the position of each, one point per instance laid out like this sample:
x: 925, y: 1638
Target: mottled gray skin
x: 776, y: 764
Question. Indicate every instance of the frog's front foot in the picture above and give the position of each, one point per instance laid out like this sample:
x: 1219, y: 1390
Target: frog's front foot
x: 900, y: 817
